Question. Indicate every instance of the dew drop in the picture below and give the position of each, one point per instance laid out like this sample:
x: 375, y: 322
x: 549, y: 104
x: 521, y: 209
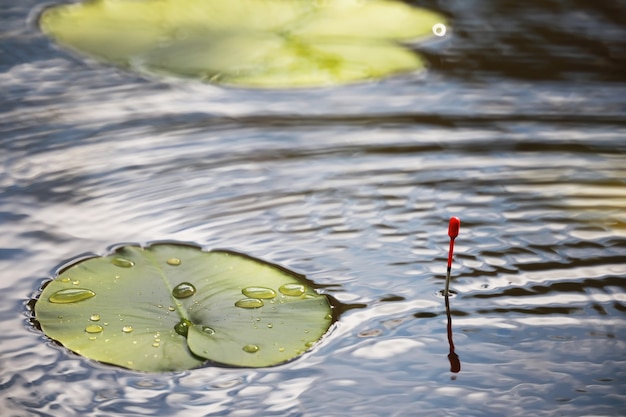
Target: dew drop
x: 293, y: 290
x: 65, y: 279
x: 95, y: 317
x: 249, y: 303
x: 208, y: 330
x: 251, y: 348
x: 122, y: 263
x: 171, y: 308
x: 71, y: 295
x: 183, y: 290
x: 156, y: 344
x: 439, y: 29
x: 270, y: 325
x: 94, y: 328
x: 173, y: 261
x: 75, y: 282
x: 259, y: 292
x: 92, y: 338
x: 182, y: 327
x: 281, y: 349
x: 127, y: 329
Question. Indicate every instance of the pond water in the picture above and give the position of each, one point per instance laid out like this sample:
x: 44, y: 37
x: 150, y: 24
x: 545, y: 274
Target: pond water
x: 518, y: 128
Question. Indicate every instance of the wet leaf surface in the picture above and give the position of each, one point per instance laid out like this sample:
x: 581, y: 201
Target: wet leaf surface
x: 172, y: 307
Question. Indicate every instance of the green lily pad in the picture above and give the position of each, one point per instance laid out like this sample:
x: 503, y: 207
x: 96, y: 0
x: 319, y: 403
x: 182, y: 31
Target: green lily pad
x: 170, y: 307
x: 252, y: 43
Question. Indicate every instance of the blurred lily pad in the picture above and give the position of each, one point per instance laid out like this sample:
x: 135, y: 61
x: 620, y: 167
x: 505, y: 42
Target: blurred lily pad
x: 251, y: 43
x: 170, y: 307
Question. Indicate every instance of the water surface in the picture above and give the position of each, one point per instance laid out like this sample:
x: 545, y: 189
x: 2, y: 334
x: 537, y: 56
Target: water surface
x: 518, y: 128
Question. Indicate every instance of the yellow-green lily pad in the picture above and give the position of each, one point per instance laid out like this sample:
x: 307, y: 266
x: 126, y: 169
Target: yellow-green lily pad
x: 249, y: 43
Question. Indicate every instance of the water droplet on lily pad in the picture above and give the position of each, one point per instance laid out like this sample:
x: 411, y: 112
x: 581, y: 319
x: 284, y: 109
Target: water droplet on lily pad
x: 249, y: 303
x: 122, y: 263
x: 293, y: 290
x: 259, y: 292
x: 94, y: 328
x: 182, y: 327
x: 70, y: 295
x: 95, y: 317
x: 66, y: 279
x: 208, y: 330
x: 251, y: 348
x: 183, y: 290
x: 127, y: 329
x: 173, y: 261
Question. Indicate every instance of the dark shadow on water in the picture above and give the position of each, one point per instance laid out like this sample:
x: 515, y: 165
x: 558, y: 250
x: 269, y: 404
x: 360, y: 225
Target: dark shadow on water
x: 455, y: 362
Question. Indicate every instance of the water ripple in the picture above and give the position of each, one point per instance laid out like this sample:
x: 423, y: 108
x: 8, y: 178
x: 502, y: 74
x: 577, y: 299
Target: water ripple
x: 518, y: 128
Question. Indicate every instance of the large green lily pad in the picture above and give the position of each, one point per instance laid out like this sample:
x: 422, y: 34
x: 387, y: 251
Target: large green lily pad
x: 253, y: 43
x: 172, y: 307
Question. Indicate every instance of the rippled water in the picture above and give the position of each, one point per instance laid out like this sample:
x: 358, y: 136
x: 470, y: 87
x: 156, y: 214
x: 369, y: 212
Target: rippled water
x: 519, y: 128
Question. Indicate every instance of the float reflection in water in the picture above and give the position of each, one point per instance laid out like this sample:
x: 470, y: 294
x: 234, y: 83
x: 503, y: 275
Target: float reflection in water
x: 455, y: 362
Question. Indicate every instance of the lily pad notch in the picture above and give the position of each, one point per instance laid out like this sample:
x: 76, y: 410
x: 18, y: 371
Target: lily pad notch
x: 248, y: 43
x: 172, y: 306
